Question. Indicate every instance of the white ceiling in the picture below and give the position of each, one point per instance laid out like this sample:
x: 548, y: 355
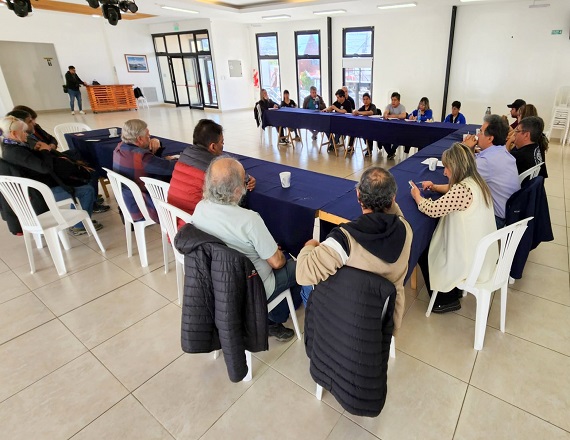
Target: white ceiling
x: 252, y: 11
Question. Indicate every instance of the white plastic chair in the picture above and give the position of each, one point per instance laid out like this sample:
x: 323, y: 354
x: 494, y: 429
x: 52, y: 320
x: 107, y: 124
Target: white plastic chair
x: 285, y: 295
x: 52, y: 224
x: 509, y: 238
x: 69, y: 127
x: 116, y: 183
x: 531, y: 172
x: 158, y: 190
x: 168, y: 216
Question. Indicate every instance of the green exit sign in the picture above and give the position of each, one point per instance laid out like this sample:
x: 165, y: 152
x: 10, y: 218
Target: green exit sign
x: 556, y: 32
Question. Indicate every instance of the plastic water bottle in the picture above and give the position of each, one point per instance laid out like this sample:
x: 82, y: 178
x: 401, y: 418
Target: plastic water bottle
x: 317, y: 102
x: 419, y: 116
x: 488, y: 111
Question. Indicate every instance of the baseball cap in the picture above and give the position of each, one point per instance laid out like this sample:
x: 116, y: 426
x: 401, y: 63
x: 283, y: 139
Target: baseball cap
x: 517, y: 104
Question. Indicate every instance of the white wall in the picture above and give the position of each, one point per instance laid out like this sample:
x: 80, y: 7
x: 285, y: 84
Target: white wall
x: 506, y: 51
x: 93, y: 46
x: 229, y: 42
x: 404, y: 59
x: 502, y: 51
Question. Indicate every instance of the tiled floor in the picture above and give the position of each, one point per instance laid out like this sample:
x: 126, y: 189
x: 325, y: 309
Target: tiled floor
x: 96, y: 354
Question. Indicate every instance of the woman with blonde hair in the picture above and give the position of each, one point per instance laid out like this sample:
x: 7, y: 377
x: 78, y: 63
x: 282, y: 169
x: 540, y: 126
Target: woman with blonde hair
x: 466, y: 215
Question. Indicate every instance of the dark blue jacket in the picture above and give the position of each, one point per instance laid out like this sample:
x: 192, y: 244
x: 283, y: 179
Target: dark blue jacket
x: 347, y: 338
x: 224, y: 303
x: 529, y: 201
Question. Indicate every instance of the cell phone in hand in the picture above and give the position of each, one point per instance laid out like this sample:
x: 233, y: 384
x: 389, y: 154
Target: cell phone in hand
x: 411, y: 182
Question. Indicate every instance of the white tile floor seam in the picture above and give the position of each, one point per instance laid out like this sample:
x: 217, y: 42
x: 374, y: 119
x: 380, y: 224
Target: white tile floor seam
x: 158, y: 390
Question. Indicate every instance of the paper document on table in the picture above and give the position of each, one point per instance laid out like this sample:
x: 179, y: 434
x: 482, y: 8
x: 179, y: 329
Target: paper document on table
x: 92, y: 140
x: 439, y: 163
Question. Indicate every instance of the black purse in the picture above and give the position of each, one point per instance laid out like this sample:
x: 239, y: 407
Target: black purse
x: 64, y: 88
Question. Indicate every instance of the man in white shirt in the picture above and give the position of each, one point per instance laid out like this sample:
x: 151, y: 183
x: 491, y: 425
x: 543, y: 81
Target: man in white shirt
x: 394, y: 110
x: 218, y: 214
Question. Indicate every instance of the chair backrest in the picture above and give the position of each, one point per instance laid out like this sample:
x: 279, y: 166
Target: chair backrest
x: 117, y: 181
x: 156, y: 188
x: 509, y: 238
x: 68, y: 127
x: 169, y: 215
x: 259, y: 115
x: 16, y: 192
x: 531, y: 172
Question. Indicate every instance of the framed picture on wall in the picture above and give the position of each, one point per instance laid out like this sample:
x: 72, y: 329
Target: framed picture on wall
x: 136, y: 63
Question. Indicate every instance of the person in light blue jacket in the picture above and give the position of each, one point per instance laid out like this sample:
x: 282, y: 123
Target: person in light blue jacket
x: 455, y: 117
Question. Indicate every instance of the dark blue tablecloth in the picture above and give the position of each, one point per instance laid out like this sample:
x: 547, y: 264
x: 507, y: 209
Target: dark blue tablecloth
x: 289, y: 213
x: 388, y: 131
x: 96, y: 147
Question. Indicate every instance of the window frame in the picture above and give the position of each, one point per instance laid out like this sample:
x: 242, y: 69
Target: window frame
x: 346, y: 31
x: 268, y: 57
x: 307, y: 57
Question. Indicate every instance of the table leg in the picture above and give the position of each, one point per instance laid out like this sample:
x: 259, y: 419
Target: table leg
x: 414, y: 278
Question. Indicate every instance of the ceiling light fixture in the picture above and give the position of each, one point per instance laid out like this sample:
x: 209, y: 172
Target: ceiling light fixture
x: 469, y: 1
x: 189, y: 11
x: 276, y: 17
x: 330, y: 12
x: 398, y: 5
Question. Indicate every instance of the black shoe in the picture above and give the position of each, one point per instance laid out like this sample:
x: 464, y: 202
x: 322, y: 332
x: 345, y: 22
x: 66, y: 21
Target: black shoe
x: 281, y: 333
x: 444, y: 308
x: 99, y: 208
x: 330, y: 149
x: 367, y: 154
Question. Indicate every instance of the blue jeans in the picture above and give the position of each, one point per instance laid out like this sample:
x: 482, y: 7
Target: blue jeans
x: 85, y: 194
x: 285, y: 279
x: 77, y: 95
x: 500, y: 222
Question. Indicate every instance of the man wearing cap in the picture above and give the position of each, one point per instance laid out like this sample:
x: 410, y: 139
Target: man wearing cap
x: 515, y: 106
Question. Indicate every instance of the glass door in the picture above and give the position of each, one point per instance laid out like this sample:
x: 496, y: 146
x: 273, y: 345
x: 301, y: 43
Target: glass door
x: 193, y: 82
x: 208, y: 80
x: 180, y: 83
x: 166, y: 79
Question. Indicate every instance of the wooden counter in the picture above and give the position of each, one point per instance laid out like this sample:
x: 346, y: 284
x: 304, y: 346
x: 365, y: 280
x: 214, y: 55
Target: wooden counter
x: 111, y: 98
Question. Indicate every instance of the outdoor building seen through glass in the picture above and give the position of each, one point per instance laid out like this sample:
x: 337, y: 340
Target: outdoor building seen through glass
x: 308, y: 63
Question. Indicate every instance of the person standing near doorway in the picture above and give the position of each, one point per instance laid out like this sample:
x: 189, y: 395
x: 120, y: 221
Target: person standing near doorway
x: 73, y: 82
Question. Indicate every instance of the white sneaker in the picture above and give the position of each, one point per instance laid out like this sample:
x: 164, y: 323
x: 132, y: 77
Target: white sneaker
x: 72, y: 112
x: 81, y: 112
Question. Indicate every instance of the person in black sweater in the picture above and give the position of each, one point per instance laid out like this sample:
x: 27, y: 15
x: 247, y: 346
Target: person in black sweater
x: 530, y: 145
x: 73, y: 82
x: 286, y: 102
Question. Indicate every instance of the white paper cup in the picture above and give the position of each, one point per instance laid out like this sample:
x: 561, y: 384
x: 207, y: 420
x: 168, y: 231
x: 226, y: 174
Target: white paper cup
x: 432, y: 163
x: 285, y: 177
x: 112, y: 132
x: 477, y: 131
x: 465, y: 136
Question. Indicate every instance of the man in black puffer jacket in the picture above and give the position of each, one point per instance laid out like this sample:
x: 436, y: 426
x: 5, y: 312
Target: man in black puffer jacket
x: 224, y: 302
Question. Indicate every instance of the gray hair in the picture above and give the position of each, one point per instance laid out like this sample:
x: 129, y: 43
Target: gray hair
x: 377, y: 189
x: 313, y: 88
x: 227, y: 187
x: 133, y: 129
x: 11, y: 123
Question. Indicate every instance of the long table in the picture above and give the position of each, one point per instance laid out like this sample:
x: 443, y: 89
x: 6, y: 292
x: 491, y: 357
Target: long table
x: 96, y: 147
x: 290, y: 213
x: 346, y: 207
x: 397, y: 132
